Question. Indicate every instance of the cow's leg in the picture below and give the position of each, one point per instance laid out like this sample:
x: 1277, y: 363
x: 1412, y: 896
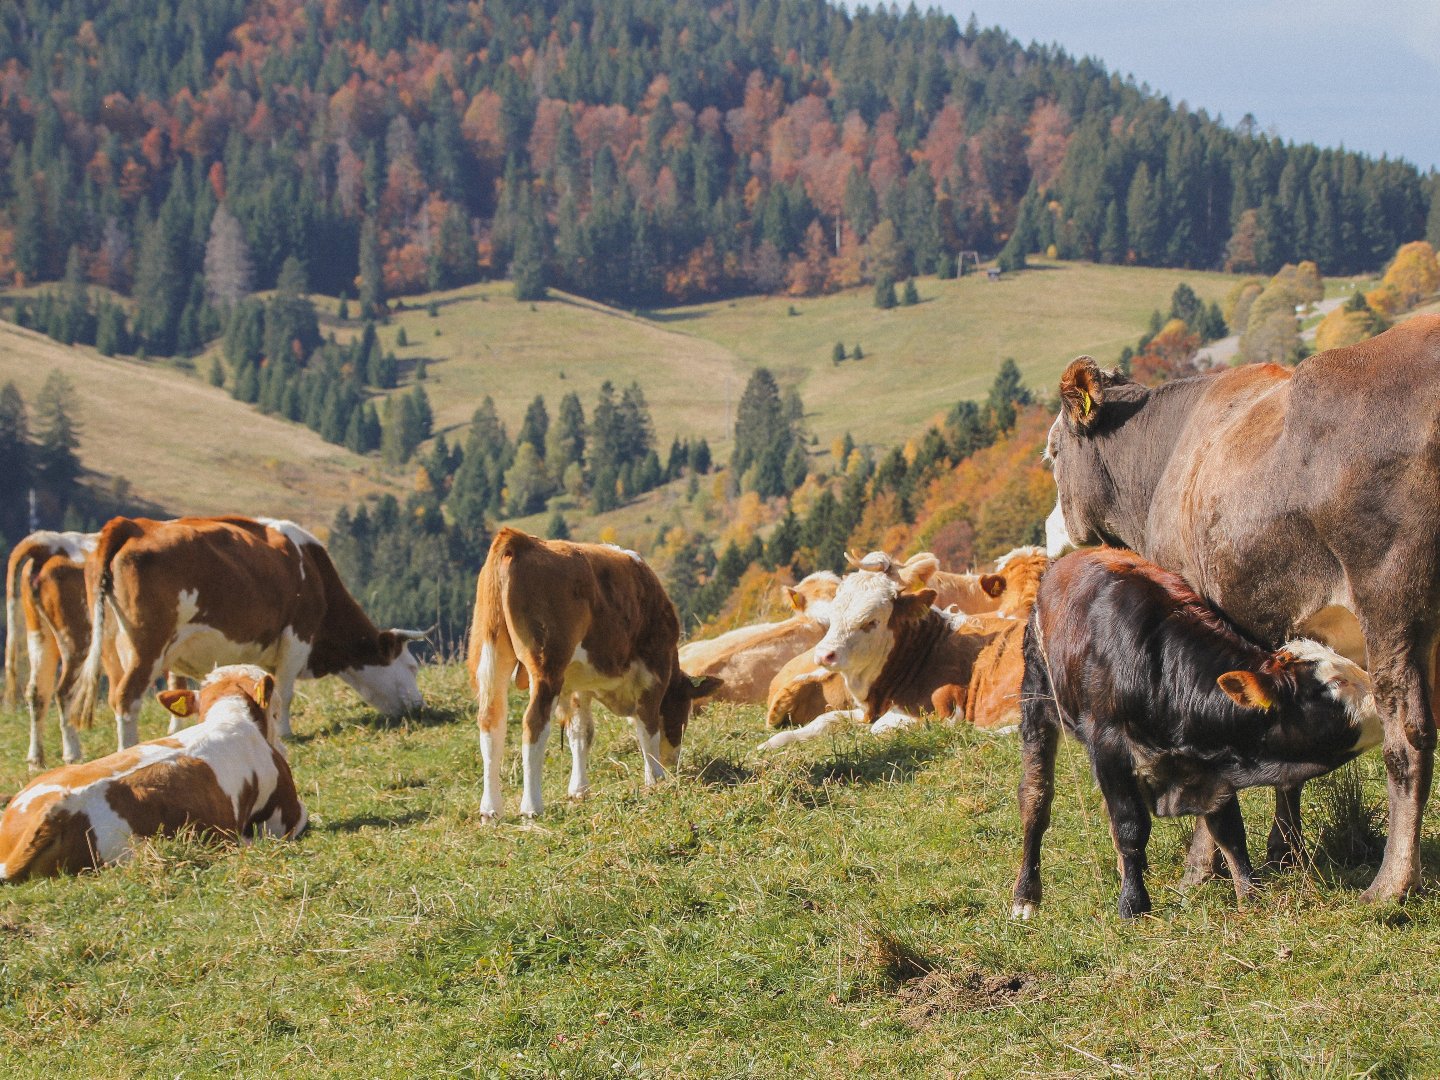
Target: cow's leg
x: 535, y: 732
x: 71, y: 658
x: 893, y: 720
x: 813, y: 730
x: 44, y: 655
x: 288, y: 667
x: 1409, y: 745
x: 1286, y: 844
x: 127, y: 693
x: 1129, y: 826
x: 1203, y: 860
x: 1039, y: 739
x: 651, y: 737
x: 581, y: 732
x: 1227, y: 827
x: 494, y: 666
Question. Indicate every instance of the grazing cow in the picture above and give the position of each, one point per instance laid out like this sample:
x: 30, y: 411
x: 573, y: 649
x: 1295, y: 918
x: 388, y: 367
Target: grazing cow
x: 45, y: 604
x: 582, y: 620
x: 226, y: 776
x: 192, y: 593
x: 1302, y: 502
x: 1177, y: 709
x: 898, y: 655
x: 746, y: 659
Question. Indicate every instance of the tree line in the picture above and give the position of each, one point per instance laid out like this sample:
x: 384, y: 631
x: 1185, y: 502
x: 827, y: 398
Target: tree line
x: 637, y: 151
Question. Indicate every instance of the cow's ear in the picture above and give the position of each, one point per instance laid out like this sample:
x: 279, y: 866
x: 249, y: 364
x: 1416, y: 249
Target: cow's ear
x: 910, y: 607
x: 264, y: 691
x: 795, y: 597
x: 703, y: 685
x: 1081, y: 394
x: 181, y: 703
x: 918, y: 569
x: 992, y: 585
x: 1246, y: 689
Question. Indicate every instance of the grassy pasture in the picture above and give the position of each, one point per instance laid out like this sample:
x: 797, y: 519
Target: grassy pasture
x: 839, y: 909
x: 693, y: 361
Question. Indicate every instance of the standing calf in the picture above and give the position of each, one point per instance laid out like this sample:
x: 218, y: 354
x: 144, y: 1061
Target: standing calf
x: 1177, y: 709
x: 581, y: 621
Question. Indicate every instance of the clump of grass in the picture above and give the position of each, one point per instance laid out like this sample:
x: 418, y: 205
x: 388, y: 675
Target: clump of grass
x: 1348, y: 825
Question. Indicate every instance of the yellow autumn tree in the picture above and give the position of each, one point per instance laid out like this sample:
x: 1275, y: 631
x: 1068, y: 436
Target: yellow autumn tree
x: 1414, y: 274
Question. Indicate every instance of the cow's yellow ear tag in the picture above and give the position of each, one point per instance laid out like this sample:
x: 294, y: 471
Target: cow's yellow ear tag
x: 1085, y: 403
x: 181, y: 707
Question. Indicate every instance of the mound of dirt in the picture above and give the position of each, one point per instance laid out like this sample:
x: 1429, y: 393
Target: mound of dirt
x: 942, y: 991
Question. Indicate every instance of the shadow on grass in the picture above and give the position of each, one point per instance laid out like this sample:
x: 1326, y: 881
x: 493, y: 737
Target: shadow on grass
x: 427, y: 717
x: 722, y: 772
x: 376, y: 821
x: 885, y: 762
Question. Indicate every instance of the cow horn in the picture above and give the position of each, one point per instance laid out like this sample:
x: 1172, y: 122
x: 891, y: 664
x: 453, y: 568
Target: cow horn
x: 413, y: 635
x: 852, y: 559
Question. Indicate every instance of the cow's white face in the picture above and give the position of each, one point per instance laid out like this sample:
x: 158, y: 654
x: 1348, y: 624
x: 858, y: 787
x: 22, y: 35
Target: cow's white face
x: 1347, y: 683
x: 1057, y: 537
x: 388, y: 688
x: 858, y: 639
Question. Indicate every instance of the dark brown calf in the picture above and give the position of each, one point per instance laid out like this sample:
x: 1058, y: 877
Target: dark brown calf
x: 1177, y: 709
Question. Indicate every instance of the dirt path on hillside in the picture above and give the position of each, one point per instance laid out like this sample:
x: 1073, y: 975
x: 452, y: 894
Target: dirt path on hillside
x: 1222, y: 352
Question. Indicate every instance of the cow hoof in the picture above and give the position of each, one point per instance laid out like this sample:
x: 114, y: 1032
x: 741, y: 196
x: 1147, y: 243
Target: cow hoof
x: 580, y: 796
x: 38, y: 766
x: 1022, y: 910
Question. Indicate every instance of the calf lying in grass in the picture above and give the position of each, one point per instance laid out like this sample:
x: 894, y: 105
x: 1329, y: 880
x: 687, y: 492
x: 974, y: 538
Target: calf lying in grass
x: 1177, y: 709
x: 227, y: 775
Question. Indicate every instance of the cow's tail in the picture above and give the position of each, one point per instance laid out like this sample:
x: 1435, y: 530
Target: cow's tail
x: 15, y: 628
x: 492, y: 647
x: 99, y: 587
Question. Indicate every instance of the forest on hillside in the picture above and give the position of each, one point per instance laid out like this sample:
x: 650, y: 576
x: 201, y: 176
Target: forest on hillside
x: 638, y: 151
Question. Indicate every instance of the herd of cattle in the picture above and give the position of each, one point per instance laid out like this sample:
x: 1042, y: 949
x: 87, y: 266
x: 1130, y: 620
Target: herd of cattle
x: 1262, y: 609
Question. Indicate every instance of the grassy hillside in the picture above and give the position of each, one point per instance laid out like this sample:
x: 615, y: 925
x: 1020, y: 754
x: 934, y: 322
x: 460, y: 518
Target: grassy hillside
x: 185, y: 446
x: 693, y: 361
x: 838, y: 909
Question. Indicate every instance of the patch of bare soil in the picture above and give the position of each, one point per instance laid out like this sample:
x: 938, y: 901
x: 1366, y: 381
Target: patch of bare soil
x: 941, y: 991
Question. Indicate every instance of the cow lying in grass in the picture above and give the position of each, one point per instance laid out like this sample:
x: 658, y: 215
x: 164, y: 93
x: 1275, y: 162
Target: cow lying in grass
x: 1177, y: 709
x: 225, y: 776
x: 803, y: 690
x: 898, y: 656
x: 747, y: 659
x: 581, y: 620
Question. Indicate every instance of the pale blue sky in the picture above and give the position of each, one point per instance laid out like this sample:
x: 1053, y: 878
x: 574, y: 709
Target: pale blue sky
x: 1365, y: 74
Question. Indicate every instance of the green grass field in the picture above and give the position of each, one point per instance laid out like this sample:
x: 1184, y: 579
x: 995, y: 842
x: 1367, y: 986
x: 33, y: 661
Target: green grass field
x: 839, y: 909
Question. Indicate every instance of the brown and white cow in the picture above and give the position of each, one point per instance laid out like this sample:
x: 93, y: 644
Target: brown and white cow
x: 1302, y: 502
x: 747, y: 659
x: 803, y: 690
x: 589, y: 620
x: 47, y: 618
x: 189, y: 594
x: 225, y: 776
x: 898, y: 655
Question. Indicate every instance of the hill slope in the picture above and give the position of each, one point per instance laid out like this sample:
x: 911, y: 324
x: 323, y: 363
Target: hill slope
x: 186, y: 447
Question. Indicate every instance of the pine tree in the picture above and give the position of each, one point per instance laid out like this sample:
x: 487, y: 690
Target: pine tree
x: 885, y: 294
x: 535, y: 426
x: 16, y: 463
x: 57, y: 437
x: 372, y: 271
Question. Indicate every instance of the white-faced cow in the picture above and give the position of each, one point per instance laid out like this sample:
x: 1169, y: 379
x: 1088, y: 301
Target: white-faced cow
x: 1177, y: 709
x: 588, y: 620
x: 226, y: 776
x: 189, y: 594
x: 747, y: 659
x: 898, y: 655
x: 1302, y: 502
x: 46, y: 616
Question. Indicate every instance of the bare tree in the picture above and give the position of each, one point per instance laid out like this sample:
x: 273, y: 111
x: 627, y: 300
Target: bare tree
x: 228, y: 270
